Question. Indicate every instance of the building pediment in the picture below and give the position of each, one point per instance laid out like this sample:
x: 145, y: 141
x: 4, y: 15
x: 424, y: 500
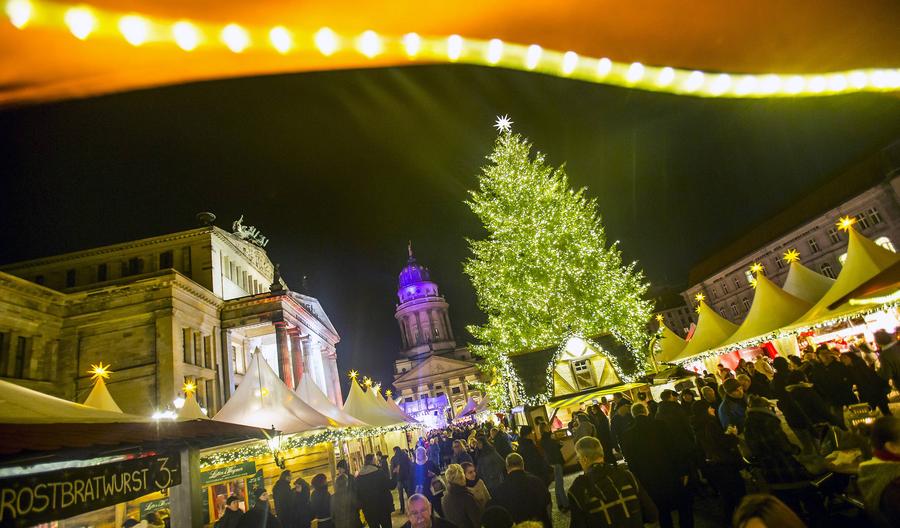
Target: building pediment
x: 434, y: 367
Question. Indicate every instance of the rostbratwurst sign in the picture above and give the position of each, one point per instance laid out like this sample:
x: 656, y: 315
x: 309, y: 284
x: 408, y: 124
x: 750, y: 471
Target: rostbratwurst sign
x: 42, y: 497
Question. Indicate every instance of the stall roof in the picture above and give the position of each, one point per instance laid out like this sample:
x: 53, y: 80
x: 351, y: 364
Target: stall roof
x: 806, y: 284
x: 570, y: 400
x: 41, y: 438
x: 365, y: 408
x: 20, y: 405
x: 310, y: 393
x: 772, y: 308
x: 885, y: 283
x: 670, y: 345
x: 711, y: 330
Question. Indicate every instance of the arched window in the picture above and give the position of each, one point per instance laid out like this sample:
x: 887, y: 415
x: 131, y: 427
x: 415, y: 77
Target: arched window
x: 827, y: 270
x: 886, y: 243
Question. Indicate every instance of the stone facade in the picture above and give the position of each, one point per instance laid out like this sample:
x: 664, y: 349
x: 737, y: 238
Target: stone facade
x: 190, y: 305
x: 821, y: 245
x: 431, y: 365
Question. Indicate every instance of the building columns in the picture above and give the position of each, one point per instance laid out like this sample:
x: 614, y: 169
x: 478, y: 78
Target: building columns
x: 284, y: 354
x: 297, y: 353
x: 227, y: 383
x: 335, y: 378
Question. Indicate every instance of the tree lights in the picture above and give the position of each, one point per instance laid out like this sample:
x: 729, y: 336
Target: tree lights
x: 545, y: 271
x: 139, y: 30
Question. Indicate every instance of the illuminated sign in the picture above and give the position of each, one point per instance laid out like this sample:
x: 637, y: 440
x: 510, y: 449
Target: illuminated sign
x: 41, y: 497
x: 223, y: 474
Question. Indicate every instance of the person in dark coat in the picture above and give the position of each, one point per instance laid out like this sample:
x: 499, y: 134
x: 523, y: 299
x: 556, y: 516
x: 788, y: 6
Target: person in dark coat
x: 808, y: 400
x: 832, y: 380
x: 259, y: 516
x: 734, y: 406
x: 879, y: 478
x: 621, y: 422
x: 553, y: 452
x: 770, y: 446
x: 373, y: 488
x: 664, y: 477
x: 524, y: 495
x: 320, y: 501
x: 400, y: 468
x: 500, y: 441
x: 345, y: 505
x: 607, y: 496
x: 722, y: 460
x: 302, y: 514
x: 460, y: 454
x: 459, y: 504
x: 871, y: 387
x: 284, y: 499
x: 490, y: 464
x: 423, y: 472
x: 535, y: 463
x: 601, y: 425
x: 421, y: 515
x: 684, y: 447
x: 889, y: 357
x: 231, y: 517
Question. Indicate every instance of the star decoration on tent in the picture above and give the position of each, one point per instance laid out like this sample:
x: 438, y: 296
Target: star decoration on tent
x: 753, y: 283
x: 791, y: 255
x: 756, y: 268
x: 388, y: 393
x: 697, y: 309
x: 700, y: 297
x: 377, y: 388
x: 99, y: 371
x: 189, y: 387
x: 845, y: 223
x: 659, y: 318
x: 353, y: 374
x: 367, y: 381
x: 503, y: 123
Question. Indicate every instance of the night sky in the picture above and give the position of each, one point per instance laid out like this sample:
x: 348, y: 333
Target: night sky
x: 340, y: 169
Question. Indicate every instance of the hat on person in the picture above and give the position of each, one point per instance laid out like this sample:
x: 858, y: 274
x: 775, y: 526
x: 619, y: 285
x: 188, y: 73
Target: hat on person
x: 731, y: 385
x: 685, y: 392
x: 259, y: 492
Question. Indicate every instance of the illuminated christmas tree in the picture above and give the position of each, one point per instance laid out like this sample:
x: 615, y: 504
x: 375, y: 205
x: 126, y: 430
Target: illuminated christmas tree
x: 545, y: 270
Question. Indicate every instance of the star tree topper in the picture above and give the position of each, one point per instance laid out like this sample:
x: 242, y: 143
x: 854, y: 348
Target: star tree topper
x: 503, y: 123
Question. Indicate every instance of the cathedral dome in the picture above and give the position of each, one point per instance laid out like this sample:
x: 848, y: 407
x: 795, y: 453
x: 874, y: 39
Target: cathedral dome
x: 414, y: 281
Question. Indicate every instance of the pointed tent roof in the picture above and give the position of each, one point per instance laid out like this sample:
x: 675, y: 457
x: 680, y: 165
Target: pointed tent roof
x: 394, y: 405
x: 772, y: 308
x: 469, y: 408
x: 865, y: 260
x: 21, y: 405
x: 191, y: 410
x: 263, y: 400
x: 711, y: 330
x: 670, y: 345
x: 310, y: 393
x: 806, y: 284
x: 364, y: 408
x: 100, y: 398
x: 383, y: 404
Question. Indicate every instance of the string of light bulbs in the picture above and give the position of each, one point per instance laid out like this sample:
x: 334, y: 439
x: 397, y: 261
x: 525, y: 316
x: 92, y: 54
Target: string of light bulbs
x: 139, y: 30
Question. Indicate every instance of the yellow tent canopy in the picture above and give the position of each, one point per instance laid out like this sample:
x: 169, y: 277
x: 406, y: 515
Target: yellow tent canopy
x: 711, y: 330
x: 100, y: 398
x: 772, y: 308
x: 806, y: 284
x: 865, y: 260
x: 670, y: 345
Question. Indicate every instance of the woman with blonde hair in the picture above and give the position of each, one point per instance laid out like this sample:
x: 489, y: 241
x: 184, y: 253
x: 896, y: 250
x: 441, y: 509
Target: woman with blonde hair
x: 476, y: 486
x: 459, y: 505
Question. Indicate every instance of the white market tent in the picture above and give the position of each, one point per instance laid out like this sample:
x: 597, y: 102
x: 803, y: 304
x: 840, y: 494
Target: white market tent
x: 100, y: 398
x: 263, y: 400
x: 670, y: 345
x: 772, y: 308
x: 191, y: 409
x: 21, y: 405
x: 388, y: 408
x: 711, y: 330
x: 310, y: 393
x: 865, y: 260
x: 365, y: 408
x: 806, y: 284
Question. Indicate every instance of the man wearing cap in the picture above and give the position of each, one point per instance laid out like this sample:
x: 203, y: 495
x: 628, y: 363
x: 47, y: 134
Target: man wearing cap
x: 734, y: 405
x: 259, y: 515
x: 231, y: 517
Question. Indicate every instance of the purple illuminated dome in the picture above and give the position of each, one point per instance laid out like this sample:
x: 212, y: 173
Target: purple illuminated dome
x: 415, y: 281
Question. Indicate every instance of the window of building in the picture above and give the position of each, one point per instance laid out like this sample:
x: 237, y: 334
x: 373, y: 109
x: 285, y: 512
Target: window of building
x: 134, y: 266
x: 186, y: 348
x: 713, y: 292
x: 408, y: 399
x: 874, y: 217
x: 102, y: 272
x: 862, y: 221
x: 746, y: 304
x: 207, y: 352
x: 438, y: 394
x: 231, y: 271
x: 842, y: 258
x: 186, y: 261
x: 4, y: 352
x: 827, y: 270
x: 455, y: 390
x: 737, y: 284
x: 834, y: 235
x: 724, y: 289
x: 198, y: 354
x: 584, y: 373
x: 166, y: 259
x: 734, y: 309
x: 211, y: 396
x: 886, y: 243
x: 749, y: 276
x: 779, y: 263
x: 19, y: 363
x: 813, y: 245
x: 70, y: 278
x: 237, y: 359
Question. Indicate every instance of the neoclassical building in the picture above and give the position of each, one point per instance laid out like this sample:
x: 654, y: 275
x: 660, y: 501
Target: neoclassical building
x: 434, y: 376
x: 161, y: 310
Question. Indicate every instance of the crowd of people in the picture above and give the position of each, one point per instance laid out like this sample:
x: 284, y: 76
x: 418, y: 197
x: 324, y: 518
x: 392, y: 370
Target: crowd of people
x: 643, y: 461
